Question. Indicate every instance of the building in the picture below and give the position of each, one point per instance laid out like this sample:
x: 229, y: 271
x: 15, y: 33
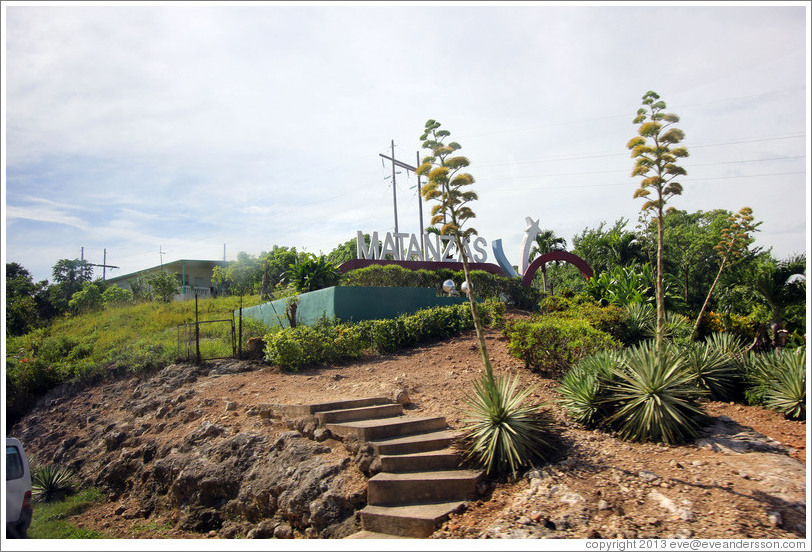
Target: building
x: 194, y: 277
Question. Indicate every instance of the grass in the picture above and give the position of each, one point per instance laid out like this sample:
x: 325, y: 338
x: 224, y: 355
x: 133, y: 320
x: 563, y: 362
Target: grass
x: 49, y: 520
x: 133, y: 338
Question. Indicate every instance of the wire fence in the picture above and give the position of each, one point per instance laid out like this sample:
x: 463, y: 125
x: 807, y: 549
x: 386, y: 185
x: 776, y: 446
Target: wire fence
x: 207, y: 340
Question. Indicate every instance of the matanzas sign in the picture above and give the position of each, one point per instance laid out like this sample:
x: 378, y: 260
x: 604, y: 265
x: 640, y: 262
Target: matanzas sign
x: 409, y: 251
x: 407, y: 247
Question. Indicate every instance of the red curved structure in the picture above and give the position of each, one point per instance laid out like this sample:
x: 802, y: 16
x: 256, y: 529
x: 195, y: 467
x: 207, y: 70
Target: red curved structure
x: 418, y: 265
x: 565, y: 256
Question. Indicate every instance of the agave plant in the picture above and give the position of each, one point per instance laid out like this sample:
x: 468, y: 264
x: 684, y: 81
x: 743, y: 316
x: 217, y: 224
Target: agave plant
x: 779, y: 379
x: 504, y: 431
x: 51, y: 482
x: 713, y: 370
x: 583, y: 388
x: 653, y: 396
x: 639, y: 318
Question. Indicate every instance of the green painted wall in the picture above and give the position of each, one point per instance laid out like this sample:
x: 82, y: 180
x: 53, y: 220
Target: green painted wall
x: 352, y: 304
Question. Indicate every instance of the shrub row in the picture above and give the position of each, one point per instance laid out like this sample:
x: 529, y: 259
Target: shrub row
x: 330, y: 341
x: 485, y: 284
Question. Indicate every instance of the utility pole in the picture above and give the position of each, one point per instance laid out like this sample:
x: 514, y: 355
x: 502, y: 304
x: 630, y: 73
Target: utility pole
x: 403, y: 165
x: 104, y: 264
x: 161, y: 253
x: 394, y: 189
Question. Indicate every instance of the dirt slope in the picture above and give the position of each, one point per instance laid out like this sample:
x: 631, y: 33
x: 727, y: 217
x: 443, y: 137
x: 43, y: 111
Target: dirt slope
x: 746, y: 479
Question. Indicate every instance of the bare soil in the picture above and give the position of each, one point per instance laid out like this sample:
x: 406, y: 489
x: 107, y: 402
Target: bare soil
x: 597, y: 486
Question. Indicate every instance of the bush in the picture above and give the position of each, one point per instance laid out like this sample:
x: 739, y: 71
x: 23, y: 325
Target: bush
x: 653, y: 396
x: 551, y: 343
x: 485, y: 284
x: 504, y: 433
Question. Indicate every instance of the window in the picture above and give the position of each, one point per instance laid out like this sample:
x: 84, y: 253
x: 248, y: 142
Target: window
x: 14, y: 463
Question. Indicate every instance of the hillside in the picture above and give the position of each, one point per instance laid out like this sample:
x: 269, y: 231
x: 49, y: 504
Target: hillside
x: 745, y: 478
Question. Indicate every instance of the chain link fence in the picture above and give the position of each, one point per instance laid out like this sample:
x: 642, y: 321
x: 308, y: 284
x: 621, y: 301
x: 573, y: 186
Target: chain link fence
x: 207, y: 340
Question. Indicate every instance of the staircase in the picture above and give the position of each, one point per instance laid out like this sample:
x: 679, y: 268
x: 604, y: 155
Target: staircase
x: 420, y: 482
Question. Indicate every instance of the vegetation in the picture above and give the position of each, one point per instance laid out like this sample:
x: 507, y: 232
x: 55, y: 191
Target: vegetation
x: 504, y: 432
x: 331, y: 341
x: 652, y: 396
x: 656, y: 160
x: 779, y: 381
x: 51, y: 482
x: 49, y: 519
x: 86, y: 347
x: 310, y: 273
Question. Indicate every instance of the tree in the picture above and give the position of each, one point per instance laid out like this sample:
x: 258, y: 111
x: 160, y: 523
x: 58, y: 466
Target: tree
x: 656, y: 160
x: 164, y: 285
x: 608, y: 249
x: 546, y: 241
x: 70, y: 275
x: 734, y: 243
x: 504, y: 431
x: 22, y: 313
x: 346, y: 251
x: 88, y: 299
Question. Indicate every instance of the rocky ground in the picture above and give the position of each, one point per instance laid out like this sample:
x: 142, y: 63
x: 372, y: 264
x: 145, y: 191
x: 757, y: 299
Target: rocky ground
x: 195, y: 453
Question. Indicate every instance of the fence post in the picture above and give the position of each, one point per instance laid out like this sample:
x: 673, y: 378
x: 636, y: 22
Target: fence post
x: 239, y: 341
x: 197, y: 333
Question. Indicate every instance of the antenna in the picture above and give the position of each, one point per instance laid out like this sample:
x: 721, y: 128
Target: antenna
x: 161, y: 253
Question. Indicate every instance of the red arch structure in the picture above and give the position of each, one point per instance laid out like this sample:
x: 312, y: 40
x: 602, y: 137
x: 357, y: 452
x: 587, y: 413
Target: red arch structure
x: 565, y: 256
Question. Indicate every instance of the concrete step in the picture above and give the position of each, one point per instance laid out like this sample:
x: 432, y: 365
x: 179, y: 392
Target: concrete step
x: 445, y: 459
x: 368, y: 430
x: 300, y: 410
x: 373, y: 535
x: 416, y: 521
x: 388, y: 489
x: 363, y: 413
x: 409, y: 444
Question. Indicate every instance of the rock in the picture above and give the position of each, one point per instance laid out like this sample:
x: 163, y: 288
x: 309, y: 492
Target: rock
x: 322, y: 434
x: 255, y: 348
x: 401, y: 396
x: 603, y: 505
x: 231, y: 405
x: 524, y: 520
x: 264, y: 530
x: 120, y: 510
x: 775, y: 518
x: 114, y: 439
x: 683, y: 533
x: 283, y: 531
x: 648, y: 476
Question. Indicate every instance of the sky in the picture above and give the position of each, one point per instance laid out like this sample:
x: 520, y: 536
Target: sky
x: 165, y: 131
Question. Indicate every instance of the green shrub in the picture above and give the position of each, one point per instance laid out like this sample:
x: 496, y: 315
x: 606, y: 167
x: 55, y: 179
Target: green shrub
x: 329, y: 341
x: 551, y: 343
x: 504, y: 433
x: 653, y: 396
x: 583, y: 388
